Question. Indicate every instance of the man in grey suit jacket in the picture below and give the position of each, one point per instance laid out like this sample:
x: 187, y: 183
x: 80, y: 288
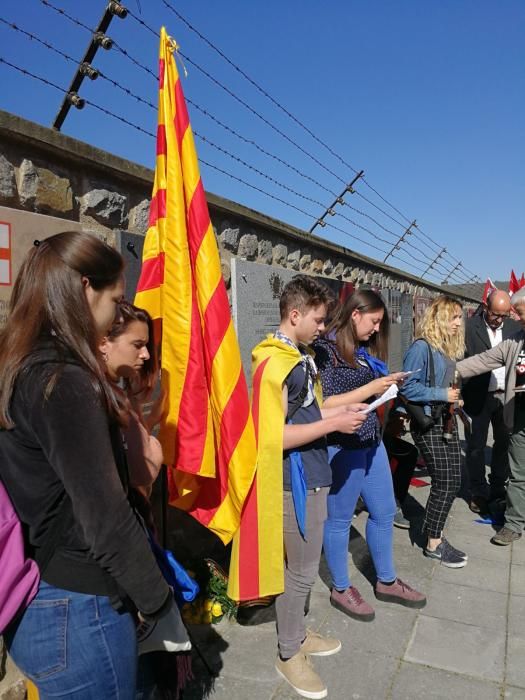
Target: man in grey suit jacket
x: 510, y: 354
x: 483, y: 396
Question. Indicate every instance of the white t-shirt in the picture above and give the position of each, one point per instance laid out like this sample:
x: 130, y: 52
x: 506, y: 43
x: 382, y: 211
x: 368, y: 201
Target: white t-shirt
x: 497, y: 376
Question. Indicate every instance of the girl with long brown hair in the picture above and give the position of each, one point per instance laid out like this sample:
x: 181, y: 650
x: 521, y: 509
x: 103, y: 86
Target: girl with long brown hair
x: 61, y: 459
x: 352, y: 363
x: 432, y: 359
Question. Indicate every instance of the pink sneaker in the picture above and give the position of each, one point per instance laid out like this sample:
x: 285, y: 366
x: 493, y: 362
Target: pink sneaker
x: 352, y: 604
x: 400, y: 592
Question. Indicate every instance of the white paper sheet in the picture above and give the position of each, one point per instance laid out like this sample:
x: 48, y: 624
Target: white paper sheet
x: 389, y: 394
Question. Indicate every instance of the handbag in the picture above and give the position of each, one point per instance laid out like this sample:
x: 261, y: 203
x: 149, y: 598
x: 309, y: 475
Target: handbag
x: 20, y: 575
x: 420, y: 422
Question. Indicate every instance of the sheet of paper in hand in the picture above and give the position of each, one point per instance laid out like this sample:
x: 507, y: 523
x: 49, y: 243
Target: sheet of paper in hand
x: 388, y: 395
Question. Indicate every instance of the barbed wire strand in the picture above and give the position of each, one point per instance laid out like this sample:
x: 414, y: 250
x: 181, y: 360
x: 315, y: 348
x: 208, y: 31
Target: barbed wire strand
x: 234, y: 96
x: 204, y: 139
x: 275, y: 102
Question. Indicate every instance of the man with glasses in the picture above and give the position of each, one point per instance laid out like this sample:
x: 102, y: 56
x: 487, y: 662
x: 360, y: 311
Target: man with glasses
x: 484, y: 398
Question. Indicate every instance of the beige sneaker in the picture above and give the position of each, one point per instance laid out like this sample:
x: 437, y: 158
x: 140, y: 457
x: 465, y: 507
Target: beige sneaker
x: 317, y: 645
x: 298, y: 672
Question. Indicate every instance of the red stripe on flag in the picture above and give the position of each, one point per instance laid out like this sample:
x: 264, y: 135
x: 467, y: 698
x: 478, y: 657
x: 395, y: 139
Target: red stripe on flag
x: 234, y: 418
x: 198, y: 220
x: 249, y: 534
x: 217, y: 319
x: 152, y: 273
x: 5, y: 254
x: 192, y: 425
x: 213, y: 491
x: 161, y: 73
x: 182, y: 120
x: 157, y: 208
x: 161, y: 140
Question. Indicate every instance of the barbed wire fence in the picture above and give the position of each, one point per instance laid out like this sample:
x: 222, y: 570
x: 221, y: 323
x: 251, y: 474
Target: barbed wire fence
x: 426, y: 256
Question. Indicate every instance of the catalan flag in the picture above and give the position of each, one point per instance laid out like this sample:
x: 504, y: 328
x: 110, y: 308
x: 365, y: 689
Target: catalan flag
x: 257, y: 564
x: 208, y: 434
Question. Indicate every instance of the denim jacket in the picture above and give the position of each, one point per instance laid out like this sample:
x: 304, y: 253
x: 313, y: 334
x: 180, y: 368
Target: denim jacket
x: 416, y: 388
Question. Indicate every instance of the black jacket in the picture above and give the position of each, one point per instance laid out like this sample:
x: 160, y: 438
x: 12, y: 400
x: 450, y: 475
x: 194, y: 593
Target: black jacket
x: 474, y: 390
x: 61, y: 444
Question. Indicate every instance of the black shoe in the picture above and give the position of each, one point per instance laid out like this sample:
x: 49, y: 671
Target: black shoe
x: 455, y: 549
x: 251, y: 615
x: 447, y: 555
x: 478, y: 504
x: 400, y: 520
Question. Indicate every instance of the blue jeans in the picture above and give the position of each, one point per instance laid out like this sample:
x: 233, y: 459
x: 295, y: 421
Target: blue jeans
x: 73, y: 645
x: 364, y: 472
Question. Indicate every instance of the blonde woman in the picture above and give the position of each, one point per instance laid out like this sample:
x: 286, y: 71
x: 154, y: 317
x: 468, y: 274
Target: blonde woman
x: 432, y: 359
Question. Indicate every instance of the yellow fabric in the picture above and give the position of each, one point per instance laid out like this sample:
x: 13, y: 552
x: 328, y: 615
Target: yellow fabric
x: 282, y: 358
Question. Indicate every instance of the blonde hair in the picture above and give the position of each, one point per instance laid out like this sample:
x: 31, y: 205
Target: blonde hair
x: 434, y: 327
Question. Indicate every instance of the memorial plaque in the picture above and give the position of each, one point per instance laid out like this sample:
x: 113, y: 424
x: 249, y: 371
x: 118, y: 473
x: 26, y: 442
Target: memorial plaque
x: 407, y: 323
x: 131, y: 245
x: 256, y: 290
x: 421, y: 304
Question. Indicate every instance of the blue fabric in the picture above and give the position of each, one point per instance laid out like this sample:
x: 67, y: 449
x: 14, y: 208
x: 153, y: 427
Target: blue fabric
x: 74, y: 645
x: 185, y: 589
x: 364, y: 473
x: 416, y: 387
x: 317, y: 472
x: 298, y: 482
x: 378, y: 367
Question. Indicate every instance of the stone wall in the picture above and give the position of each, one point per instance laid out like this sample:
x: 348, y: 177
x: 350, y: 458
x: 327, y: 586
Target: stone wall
x: 43, y: 171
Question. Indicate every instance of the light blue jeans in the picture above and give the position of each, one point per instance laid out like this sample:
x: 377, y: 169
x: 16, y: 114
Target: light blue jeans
x: 73, y: 645
x: 364, y: 473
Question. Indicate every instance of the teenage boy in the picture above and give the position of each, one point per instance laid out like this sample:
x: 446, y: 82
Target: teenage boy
x: 291, y: 428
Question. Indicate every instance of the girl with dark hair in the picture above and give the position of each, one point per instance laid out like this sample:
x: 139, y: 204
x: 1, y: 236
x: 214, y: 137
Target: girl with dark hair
x: 62, y: 463
x: 129, y: 353
x: 351, y: 360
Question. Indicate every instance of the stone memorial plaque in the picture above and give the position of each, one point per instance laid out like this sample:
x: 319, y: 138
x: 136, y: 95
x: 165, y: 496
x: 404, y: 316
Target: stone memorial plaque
x: 421, y: 304
x: 131, y: 245
x: 407, y: 323
x: 256, y: 290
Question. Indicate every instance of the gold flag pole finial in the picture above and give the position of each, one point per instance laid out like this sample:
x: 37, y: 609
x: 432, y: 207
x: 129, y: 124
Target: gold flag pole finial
x: 174, y: 48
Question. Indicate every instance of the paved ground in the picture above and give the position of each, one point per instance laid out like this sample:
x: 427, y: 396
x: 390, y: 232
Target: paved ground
x: 468, y: 642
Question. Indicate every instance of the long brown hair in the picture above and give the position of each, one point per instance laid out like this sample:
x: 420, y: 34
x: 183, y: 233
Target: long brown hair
x: 365, y: 301
x: 127, y: 314
x: 49, y: 301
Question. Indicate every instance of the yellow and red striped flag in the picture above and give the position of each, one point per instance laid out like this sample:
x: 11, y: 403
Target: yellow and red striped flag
x: 207, y: 435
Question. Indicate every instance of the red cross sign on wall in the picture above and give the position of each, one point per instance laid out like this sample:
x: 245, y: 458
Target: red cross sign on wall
x: 5, y: 254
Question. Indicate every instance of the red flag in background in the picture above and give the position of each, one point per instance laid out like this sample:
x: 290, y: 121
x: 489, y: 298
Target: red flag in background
x: 522, y: 280
x: 489, y: 287
x: 514, y: 285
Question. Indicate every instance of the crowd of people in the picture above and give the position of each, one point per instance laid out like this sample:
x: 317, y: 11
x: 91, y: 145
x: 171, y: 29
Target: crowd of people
x: 76, y: 449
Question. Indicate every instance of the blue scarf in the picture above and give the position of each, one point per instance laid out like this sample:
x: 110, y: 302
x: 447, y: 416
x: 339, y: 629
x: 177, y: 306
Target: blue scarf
x: 378, y: 367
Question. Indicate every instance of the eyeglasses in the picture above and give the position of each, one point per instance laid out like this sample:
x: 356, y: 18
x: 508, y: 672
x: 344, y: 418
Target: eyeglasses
x: 500, y: 316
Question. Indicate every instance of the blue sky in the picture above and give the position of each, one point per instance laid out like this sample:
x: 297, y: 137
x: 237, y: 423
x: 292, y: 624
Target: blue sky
x: 427, y: 98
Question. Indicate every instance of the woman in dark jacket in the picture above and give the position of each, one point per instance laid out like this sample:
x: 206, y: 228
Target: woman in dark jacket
x: 61, y: 457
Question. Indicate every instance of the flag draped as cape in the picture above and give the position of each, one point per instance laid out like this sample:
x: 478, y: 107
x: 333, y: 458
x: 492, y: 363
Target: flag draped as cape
x: 257, y: 564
